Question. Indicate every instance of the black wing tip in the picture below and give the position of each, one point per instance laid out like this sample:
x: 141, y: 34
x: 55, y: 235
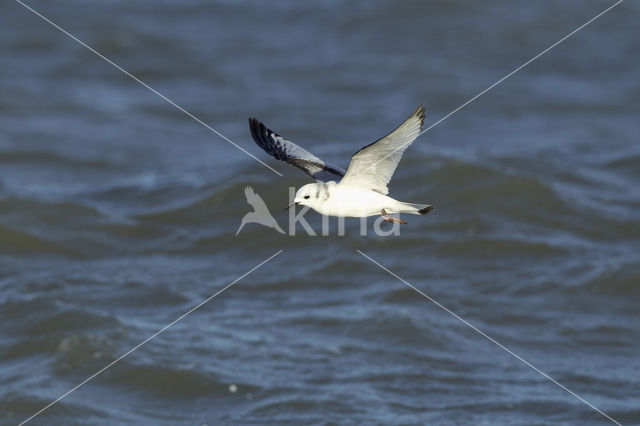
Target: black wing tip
x: 263, y: 136
x: 254, y: 126
x: 257, y: 128
x: 420, y: 114
x: 426, y: 210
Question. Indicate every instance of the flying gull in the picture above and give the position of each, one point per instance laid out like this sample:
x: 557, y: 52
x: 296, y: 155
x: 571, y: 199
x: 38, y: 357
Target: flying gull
x: 361, y: 190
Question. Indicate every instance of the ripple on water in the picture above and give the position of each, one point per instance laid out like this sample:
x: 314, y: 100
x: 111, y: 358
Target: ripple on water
x: 16, y: 407
x: 16, y: 242
x: 171, y: 381
x: 479, y: 186
x: 621, y: 279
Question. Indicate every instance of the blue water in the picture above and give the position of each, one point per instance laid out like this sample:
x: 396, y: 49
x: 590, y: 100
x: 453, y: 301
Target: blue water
x: 118, y: 214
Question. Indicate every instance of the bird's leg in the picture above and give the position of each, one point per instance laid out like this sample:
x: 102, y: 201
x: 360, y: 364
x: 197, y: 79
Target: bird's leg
x: 388, y: 218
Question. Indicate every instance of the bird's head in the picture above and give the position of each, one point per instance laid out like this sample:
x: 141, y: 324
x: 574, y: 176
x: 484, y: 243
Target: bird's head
x: 306, y: 196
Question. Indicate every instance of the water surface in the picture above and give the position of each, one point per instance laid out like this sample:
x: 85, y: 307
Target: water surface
x: 118, y: 213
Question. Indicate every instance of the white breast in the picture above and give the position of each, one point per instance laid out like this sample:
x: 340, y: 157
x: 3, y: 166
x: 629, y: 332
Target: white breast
x: 353, y: 202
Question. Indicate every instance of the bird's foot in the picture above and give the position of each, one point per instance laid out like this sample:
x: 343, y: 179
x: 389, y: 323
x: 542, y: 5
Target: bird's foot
x: 388, y: 218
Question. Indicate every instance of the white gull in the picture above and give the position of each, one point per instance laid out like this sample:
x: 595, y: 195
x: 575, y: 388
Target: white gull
x: 360, y: 191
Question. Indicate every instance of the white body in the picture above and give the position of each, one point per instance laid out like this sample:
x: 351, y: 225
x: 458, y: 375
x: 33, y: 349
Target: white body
x: 340, y: 200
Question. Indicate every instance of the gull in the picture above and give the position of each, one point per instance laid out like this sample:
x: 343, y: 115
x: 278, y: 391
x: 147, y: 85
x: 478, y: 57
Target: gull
x: 361, y: 190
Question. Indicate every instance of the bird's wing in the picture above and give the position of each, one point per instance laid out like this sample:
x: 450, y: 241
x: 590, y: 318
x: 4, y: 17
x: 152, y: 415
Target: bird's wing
x: 372, y: 166
x: 254, y: 200
x: 287, y: 151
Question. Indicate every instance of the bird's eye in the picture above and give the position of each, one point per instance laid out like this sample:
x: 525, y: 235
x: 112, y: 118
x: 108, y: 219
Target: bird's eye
x: 306, y: 197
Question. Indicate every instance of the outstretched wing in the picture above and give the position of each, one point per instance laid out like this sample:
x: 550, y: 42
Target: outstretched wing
x: 285, y: 150
x: 372, y: 166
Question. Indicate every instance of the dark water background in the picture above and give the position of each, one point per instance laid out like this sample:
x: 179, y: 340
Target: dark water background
x: 118, y: 213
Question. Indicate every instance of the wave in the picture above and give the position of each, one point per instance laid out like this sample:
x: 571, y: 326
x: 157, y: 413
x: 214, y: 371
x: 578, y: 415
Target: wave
x: 16, y: 407
x: 19, y: 242
x: 621, y: 279
x: 52, y: 159
x: 171, y: 382
x: 474, y: 186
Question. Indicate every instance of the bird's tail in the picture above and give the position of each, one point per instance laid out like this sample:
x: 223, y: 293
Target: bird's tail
x: 413, y: 208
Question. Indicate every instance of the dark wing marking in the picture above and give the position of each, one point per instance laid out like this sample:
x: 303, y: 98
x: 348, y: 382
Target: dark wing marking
x: 284, y: 150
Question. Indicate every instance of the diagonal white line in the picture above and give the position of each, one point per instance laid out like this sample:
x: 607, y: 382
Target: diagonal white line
x: 148, y: 87
x: 482, y: 333
x: 521, y: 66
x: 149, y: 338
x: 500, y: 80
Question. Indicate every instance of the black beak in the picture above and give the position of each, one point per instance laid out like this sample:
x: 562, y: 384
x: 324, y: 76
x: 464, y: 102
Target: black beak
x: 291, y: 205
